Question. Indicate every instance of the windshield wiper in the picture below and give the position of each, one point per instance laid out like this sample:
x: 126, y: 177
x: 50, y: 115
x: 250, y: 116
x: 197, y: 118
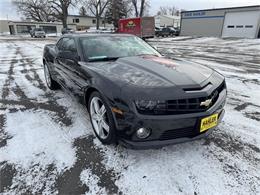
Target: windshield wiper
x: 103, y: 58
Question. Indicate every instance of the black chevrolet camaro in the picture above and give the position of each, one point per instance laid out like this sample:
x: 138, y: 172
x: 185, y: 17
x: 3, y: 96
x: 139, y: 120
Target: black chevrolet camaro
x: 133, y: 94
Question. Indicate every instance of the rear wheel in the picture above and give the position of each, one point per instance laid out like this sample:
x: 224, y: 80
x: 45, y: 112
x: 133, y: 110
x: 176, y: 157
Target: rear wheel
x: 101, y: 119
x: 52, y: 84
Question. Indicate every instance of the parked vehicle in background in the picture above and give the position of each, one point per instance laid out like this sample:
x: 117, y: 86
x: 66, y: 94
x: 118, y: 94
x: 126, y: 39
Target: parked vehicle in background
x: 141, y: 27
x: 157, y: 30
x: 178, y: 30
x: 67, y: 31
x: 37, y: 32
x: 166, y: 31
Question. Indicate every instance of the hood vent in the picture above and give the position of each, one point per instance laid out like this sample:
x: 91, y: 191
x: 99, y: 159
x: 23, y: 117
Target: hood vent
x: 199, y: 89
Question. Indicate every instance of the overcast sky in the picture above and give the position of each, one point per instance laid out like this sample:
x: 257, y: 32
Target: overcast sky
x: 7, y: 10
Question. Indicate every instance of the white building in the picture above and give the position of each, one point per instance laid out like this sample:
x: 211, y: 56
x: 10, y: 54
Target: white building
x: 222, y: 22
x: 85, y: 22
x: 167, y: 21
x: 74, y: 22
x: 24, y: 27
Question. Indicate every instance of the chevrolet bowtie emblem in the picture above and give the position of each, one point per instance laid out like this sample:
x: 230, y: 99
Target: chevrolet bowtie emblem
x: 206, y: 103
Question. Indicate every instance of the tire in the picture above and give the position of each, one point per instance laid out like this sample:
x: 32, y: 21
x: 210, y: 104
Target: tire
x: 52, y: 84
x: 106, y: 137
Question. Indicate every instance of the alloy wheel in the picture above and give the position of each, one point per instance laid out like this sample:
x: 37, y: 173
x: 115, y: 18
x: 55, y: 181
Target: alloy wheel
x: 99, y: 119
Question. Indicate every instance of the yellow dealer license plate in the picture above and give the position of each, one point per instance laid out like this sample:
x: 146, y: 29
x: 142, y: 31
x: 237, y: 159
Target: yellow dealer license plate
x: 208, y: 122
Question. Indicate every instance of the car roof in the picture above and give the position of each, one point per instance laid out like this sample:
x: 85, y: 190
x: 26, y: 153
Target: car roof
x: 75, y: 35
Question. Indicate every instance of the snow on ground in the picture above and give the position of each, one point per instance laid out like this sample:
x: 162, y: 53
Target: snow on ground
x: 47, y: 145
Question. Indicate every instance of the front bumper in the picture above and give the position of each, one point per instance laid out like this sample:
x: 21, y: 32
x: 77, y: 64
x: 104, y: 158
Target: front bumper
x: 161, y: 143
x: 166, y: 130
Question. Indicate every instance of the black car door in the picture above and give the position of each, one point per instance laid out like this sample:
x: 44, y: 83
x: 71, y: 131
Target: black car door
x: 73, y: 75
x: 60, y: 61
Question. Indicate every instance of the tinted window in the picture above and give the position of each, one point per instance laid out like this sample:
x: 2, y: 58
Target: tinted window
x: 67, y: 44
x: 59, y: 44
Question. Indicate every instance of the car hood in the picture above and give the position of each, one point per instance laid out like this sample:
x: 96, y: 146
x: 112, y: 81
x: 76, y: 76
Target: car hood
x: 152, y: 71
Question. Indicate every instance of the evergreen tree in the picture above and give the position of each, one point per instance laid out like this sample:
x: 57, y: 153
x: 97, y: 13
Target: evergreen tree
x: 118, y: 9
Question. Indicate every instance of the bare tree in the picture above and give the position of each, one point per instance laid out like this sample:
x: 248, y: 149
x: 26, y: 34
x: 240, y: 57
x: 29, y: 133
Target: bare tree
x: 82, y: 11
x: 45, y: 10
x: 139, y: 7
x: 163, y: 11
x: 167, y: 10
x: 60, y: 9
x: 37, y: 10
x: 172, y: 11
x: 97, y: 8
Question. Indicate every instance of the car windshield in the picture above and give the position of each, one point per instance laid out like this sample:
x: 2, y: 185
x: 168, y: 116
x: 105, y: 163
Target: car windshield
x: 112, y: 47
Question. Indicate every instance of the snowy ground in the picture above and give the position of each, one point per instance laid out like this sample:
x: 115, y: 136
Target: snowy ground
x: 47, y: 145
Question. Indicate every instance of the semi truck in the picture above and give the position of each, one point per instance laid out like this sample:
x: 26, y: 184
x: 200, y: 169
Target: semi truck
x: 143, y: 27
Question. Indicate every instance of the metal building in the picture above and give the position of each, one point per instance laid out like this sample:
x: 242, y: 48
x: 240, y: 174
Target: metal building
x: 224, y: 22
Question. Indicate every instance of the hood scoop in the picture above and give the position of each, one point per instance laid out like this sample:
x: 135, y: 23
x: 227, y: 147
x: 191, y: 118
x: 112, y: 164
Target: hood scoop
x: 205, y: 87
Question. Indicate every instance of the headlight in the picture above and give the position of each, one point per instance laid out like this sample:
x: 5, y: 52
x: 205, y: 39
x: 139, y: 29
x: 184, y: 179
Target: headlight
x: 149, y: 104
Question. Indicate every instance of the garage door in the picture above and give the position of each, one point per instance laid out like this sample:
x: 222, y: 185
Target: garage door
x: 241, y: 24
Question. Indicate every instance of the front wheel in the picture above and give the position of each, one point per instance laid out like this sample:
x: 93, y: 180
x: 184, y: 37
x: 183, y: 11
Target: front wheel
x: 101, y: 119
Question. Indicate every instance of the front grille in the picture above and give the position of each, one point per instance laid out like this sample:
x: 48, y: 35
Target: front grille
x: 188, y: 132
x: 193, y: 105
x: 186, y: 106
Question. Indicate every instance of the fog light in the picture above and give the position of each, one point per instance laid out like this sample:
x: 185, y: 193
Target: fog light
x: 143, y: 133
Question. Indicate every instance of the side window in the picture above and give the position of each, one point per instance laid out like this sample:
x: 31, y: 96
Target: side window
x: 59, y: 44
x: 69, y: 45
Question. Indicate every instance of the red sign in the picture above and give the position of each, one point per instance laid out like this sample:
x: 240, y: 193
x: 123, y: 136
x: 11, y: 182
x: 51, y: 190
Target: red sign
x: 130, y: 26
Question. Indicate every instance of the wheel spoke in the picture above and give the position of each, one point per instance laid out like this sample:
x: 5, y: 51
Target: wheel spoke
x: 96, y: 107
x: 105, y: 125
x: 100, y: 130
x: 102, y: 110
